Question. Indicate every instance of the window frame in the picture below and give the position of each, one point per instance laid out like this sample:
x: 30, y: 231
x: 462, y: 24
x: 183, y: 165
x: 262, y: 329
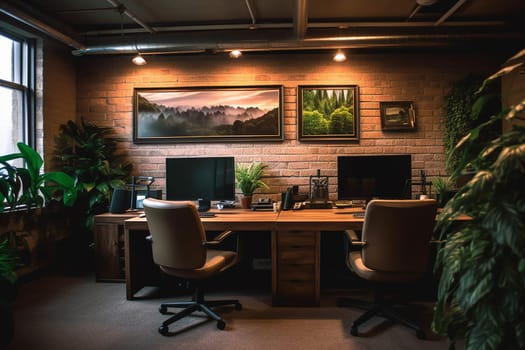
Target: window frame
x: 23, y: 80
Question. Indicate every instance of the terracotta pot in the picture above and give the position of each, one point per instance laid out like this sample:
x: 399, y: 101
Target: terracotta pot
x: 246, y: 202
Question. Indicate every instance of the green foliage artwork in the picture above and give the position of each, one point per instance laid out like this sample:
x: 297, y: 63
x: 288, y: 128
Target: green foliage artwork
x: 328, y: 113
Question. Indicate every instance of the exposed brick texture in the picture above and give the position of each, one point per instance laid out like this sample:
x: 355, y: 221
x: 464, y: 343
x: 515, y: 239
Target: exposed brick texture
x: 105, y: 97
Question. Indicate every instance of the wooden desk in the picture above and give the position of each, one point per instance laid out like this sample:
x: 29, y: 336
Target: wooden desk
x: 295, y: 248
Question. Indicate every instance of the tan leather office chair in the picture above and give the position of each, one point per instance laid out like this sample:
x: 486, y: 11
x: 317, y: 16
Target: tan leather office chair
x: 395, y: 247
x: 180, y: 249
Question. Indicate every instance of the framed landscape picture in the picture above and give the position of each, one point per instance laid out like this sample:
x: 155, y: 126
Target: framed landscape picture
x: 328, y: 113
x: 399, y: 115
x: 207, y: 114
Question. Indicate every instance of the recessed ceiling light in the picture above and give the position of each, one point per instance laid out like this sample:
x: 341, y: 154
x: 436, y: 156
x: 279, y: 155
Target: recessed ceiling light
x: 139, y: 60
x: 339, y: 56
x: 235, y: 53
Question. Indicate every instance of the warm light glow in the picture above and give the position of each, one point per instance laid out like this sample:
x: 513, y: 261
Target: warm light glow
x: 235, y: 53
x: 139, y: 60
x: 340, y: 56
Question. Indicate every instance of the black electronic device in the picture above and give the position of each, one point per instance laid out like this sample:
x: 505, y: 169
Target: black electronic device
x: 203, y: 204
x: 287, y: 199
x: 120, y: 201
x: 207, y: 178
x: 374, y: 176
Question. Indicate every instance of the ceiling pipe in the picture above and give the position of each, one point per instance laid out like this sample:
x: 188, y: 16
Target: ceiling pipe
x: 40, y: 26
x: 185, y: 43
x: 450, y: 12
x: 249, y: 5
x: 326, y: 25
x: 122, y: 9
x: 300, y: 19
x: 414, y: 11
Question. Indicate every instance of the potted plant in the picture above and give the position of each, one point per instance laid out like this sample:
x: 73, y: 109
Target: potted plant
x: 8, y: 278
x: 26, y: 193
x: 444, y: 188
x: 248, y: 178
x: 88, y: 153
x: 481, y: 290
x: 37, y: 187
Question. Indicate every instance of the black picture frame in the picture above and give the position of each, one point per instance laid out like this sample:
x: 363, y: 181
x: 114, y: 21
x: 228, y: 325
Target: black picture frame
x: 328, y: 113
x: 397, y: 115
x: 208, y: 114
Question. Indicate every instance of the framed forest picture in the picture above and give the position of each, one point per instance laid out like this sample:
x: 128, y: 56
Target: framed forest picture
x: 207, y: 114
x: 328, y: 113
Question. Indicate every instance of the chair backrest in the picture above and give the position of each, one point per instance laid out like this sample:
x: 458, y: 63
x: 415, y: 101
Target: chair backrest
x: 177, y: 233
x: 397, y: 234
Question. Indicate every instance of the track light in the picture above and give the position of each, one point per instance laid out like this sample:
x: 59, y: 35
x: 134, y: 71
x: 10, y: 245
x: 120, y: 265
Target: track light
x: 339, y: 56
x: 139, y: 60
x: 235, y: 53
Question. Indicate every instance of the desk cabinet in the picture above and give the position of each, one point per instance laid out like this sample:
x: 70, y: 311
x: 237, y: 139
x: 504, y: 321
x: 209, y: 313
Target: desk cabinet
x: 295, y: 268
x: 108, y: 236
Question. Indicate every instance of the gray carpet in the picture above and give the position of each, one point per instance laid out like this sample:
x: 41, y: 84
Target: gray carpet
x: 65, y: 312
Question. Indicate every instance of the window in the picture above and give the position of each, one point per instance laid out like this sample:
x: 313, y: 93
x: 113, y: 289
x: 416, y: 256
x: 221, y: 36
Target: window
x: 16, y: 92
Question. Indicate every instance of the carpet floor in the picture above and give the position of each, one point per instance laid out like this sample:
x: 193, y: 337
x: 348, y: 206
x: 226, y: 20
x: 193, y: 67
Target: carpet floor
x: 54, y: 311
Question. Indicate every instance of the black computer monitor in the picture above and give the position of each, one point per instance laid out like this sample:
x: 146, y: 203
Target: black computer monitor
x: 374, y: 176
x: 193, y: 178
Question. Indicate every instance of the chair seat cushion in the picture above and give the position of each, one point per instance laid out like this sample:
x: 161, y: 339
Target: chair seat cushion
x: 356, y: 261
x: 216, y: 262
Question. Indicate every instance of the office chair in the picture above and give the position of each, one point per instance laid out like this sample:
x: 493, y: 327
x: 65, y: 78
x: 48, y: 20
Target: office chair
x: 394, y: 248
x: 180, y: 249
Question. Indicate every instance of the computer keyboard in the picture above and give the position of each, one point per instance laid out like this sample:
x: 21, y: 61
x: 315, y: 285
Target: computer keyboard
x: 204, y: 214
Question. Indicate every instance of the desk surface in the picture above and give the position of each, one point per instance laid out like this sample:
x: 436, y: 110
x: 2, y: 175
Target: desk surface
x: 249, y: 220
x: 233, y: 219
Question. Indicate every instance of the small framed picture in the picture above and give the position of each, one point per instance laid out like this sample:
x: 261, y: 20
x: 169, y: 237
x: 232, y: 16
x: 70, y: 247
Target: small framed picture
x: 398, y: 115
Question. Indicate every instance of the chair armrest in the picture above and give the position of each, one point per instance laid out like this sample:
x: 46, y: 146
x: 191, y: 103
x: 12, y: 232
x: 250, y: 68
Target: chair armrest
x: 219, y: 238
x: 353, y: 239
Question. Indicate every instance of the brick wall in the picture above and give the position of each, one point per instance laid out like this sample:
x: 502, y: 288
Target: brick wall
x: 105, y: 90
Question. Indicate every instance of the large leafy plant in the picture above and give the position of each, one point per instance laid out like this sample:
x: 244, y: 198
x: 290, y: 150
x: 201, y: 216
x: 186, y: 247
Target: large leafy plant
x: 28, y: 185
x: 482, y: 286
x: 89, y: 153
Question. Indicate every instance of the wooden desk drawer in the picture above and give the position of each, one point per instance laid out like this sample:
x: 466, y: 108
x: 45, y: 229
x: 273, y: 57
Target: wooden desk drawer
x: 297, y: 273
x: 296, y: 269
x: 296, y: 239
x: 296, y: 256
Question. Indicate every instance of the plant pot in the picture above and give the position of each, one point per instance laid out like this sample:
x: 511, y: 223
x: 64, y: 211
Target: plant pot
x: 246, y: 202
x: 444, y: 197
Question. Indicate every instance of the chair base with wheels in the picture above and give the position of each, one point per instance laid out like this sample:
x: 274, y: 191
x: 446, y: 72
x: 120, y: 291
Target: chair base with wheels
x: 198, y: 303
x: 382, y: 309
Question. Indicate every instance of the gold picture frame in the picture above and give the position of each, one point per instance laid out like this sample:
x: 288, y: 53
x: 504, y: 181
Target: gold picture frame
x: 208, y: 114
x: 397, y: 115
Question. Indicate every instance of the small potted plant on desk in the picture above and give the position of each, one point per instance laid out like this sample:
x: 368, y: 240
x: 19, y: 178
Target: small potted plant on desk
x: 248, y: 179
x: 444, y: 190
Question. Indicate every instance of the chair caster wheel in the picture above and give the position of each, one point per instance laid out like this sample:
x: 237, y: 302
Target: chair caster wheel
x: 221, y: 325
x: 354, y: 331
x: 163, y: 310
x: 238, y: 306
x: 421, y: 335
x: 163, y: 330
